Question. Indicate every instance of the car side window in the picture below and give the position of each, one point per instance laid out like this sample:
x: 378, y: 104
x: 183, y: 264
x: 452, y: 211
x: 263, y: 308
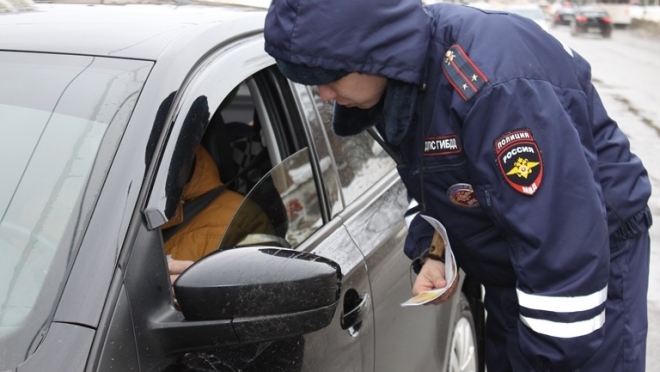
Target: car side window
x: 318, y: 136
x: 285, y: 201
x: 239, y: 192
x: 361, y: 161
x: 229, y: 161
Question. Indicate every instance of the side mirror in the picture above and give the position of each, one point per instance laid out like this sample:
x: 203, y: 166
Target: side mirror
x: 265, y: 293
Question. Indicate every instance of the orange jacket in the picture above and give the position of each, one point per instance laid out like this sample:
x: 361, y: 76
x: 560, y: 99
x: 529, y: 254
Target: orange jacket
x: 204, y: 232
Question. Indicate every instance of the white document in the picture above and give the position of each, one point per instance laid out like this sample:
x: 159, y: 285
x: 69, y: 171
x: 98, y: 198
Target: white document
x: 450, y: 268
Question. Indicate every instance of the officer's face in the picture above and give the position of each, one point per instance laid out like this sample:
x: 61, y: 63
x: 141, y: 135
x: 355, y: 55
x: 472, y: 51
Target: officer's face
x: 355, y: 90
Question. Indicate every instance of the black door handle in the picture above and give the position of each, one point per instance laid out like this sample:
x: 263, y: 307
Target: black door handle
x: 354, y: 309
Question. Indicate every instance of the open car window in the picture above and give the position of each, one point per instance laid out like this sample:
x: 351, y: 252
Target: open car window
x: 238, y: 190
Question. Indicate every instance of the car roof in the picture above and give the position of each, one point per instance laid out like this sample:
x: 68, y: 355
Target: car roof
x: 141, y: 31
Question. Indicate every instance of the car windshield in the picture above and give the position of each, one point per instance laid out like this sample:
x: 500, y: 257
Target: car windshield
x: 593, y: 14
x: 55, y: 115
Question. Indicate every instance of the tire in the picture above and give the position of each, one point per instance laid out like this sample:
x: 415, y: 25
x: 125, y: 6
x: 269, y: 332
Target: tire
x: 464, y: 350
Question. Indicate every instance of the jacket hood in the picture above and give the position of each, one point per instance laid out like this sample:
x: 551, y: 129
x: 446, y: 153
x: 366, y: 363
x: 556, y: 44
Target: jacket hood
x: 389, y: 38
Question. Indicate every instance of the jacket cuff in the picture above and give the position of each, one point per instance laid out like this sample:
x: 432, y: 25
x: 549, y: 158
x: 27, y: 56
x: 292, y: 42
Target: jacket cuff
x: 418, y: 253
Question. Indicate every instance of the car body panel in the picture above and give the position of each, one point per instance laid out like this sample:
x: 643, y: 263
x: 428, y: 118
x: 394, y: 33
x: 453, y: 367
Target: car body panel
x: 115, y: 347
x: 51, y: 356
x: 136, y: 31
x: 82, y: 300
x: 355, y: 345
x: 379, y: 231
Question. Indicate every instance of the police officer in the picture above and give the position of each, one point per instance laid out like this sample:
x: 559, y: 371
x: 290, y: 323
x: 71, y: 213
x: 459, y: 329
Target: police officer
x: 507, y: 143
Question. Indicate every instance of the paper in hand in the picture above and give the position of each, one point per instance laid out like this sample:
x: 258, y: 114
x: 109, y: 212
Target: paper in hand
x: 450, y: 268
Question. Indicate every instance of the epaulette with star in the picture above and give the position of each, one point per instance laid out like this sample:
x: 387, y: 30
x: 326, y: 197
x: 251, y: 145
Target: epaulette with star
x: 462, y: 73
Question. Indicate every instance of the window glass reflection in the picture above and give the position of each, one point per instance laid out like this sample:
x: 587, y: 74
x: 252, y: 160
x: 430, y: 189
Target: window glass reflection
x: 287, y: 198
x: 329, y: 173
x: 361, y: 161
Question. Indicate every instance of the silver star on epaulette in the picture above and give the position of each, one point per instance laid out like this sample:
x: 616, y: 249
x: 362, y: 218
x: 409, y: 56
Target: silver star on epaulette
x: 449, y: 57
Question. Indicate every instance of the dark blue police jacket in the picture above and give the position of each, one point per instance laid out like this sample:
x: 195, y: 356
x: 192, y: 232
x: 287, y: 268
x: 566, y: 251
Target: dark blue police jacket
x: 510, y: 148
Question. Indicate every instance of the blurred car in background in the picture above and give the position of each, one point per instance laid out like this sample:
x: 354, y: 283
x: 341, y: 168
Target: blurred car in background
x: 563, y: 16
x: 590, y: 20
x: 531, y: 11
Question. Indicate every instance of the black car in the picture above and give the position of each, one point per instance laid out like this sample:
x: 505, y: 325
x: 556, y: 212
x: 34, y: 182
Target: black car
x: 563, y: 16
x: 102, y: 108
x: 591, y: 21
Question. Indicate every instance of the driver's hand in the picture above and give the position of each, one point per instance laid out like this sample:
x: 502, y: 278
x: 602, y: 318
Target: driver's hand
x: 176, y: 267
x: 432, y: 276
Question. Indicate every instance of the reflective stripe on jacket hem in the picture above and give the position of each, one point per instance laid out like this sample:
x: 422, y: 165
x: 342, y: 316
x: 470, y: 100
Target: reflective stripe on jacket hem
x: 565, y: 330
x: 561, y: 304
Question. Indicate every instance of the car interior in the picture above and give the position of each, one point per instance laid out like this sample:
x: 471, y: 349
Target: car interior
x: 246, y: 152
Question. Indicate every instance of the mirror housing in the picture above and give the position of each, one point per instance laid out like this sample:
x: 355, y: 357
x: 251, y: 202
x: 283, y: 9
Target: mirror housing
x: 265, y: 293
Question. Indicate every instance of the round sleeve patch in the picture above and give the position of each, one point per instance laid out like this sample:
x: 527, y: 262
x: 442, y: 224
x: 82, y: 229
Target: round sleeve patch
x: 520, y: 162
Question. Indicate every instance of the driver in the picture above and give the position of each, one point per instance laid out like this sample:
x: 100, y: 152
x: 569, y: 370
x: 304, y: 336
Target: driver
x: 202, y: 234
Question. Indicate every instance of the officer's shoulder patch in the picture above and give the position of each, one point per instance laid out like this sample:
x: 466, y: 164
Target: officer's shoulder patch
x: 519, y: 159
x: 462, y: 73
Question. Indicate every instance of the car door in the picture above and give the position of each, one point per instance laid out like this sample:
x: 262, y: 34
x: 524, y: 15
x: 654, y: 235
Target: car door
x: 146, y: 298
x: 375, y: 202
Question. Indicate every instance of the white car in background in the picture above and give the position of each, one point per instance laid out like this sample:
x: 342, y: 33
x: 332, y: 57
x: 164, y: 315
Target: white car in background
x: 531, y: 11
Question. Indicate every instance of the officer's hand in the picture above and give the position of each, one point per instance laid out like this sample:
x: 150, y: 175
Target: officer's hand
x: 432, y: 276
x: 176, y: 267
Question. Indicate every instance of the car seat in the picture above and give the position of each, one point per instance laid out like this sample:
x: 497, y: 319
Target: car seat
x: 238, y: 152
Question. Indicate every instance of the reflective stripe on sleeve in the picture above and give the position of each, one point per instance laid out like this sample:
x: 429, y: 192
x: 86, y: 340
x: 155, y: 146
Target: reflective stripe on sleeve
x: 565, y: 330
x: 561, y: 304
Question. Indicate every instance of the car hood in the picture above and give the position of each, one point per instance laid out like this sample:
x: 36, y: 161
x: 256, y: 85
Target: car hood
x: 139, y: 31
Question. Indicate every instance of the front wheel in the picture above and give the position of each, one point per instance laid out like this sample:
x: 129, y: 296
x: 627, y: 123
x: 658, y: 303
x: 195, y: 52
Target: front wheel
x: 464, y: 350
